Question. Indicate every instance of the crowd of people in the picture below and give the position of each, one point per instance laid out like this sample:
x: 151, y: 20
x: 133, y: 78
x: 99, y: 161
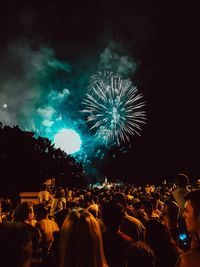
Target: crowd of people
x: 108, y: 226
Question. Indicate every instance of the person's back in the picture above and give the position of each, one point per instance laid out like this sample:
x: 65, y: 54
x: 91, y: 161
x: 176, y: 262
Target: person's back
x: 115, y: 242
x: 182, y: 182
x: 49, y: 227
x: 158, y: 238
x: 132, y: 227
x: 115, y: 246
x: 129, y: 224
x: 46, y: 225
x: 15, y: 245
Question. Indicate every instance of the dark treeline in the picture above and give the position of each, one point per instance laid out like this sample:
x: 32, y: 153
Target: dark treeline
x: 26, y: 162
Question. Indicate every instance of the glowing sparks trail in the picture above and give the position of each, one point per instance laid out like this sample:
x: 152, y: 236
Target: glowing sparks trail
x: 114, y: 108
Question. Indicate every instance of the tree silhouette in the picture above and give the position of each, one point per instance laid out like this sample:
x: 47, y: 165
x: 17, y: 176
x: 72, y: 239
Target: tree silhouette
x: 26, y: 162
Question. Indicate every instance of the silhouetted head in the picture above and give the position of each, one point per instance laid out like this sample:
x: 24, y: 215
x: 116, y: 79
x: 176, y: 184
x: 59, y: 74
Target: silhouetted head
x: 120, y: 198
x: 182, y: 180
x: 41, y: 212
x: 24, y: 211
x: 112, y: 214
x: 15, y: 245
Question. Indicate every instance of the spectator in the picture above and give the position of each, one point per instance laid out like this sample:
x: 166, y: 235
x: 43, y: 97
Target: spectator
x: 24, y: 213
x: 15, y: 245
x: 148, y: 208
x: 91, y: 206
x: 158, y: 238
x: 47, y: 226
x: 170, y: 218
x: 129, y: 224
x: 59, y: 201
x: 140, y: 254
x: 115, y: 242
x: 44, y: 195
x: 181, y: 182
x: 49, y: 230
x: 120, y: 198
x: 81, y: 241
x: 191, y: 258
x: 7, y: 209
x: 50, y: 184
x: 157, y: 196
x: 156, y: 212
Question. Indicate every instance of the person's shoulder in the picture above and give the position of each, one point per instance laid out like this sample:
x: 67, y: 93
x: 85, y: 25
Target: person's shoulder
x: 132, y: 219
x: 52, y: 223
x: 177, y: 190
x: 192, y: 252
x: 63, y: 199
x: 190, y: 258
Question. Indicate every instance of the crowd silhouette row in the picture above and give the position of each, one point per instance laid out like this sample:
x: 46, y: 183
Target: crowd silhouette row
x: 111, y: 225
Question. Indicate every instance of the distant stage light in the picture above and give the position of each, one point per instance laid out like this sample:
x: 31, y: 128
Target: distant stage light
x: 68, y: 140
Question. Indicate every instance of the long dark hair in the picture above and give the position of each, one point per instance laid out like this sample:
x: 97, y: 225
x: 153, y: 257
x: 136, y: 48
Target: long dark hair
x: 80, y: 242
x: 160, y: 240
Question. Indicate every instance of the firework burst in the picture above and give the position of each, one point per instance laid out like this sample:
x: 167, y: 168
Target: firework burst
x: 114, y: 108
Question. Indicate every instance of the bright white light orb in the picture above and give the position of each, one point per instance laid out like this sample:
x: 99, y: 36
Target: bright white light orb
x: 68, y: 140
x: 5, y: 105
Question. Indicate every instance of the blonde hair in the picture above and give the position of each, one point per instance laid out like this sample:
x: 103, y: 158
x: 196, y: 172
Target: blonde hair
x: 81, y: 242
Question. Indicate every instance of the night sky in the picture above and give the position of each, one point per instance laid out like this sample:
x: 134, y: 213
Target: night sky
x: 158, y: 39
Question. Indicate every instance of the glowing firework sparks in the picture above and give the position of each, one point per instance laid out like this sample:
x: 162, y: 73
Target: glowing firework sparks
x: 100, y: 77
x: 114, y: 108
x: 68, y: 140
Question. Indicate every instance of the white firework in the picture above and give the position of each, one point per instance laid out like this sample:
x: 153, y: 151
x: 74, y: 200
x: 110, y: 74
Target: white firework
x: 99, y: 77
x: 114, y: 108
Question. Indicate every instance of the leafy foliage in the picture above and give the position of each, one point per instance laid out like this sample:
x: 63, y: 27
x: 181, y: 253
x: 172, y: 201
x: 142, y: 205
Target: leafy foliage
x: 26, y: 162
